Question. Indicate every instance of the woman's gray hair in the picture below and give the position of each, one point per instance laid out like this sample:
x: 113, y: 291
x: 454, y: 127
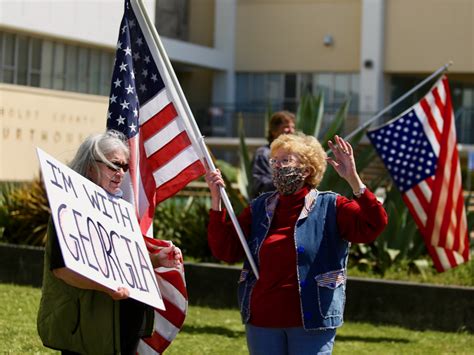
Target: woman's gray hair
x: 95, y: 149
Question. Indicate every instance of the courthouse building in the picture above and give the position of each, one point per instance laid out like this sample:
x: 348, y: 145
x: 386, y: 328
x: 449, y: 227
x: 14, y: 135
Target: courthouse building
x: 231, y: 57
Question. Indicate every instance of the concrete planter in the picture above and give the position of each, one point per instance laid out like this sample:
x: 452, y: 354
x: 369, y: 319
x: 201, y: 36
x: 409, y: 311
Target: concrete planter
x: 412, y: 305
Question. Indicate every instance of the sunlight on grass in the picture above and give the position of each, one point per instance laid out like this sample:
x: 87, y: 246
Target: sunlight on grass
x: 219, y: 331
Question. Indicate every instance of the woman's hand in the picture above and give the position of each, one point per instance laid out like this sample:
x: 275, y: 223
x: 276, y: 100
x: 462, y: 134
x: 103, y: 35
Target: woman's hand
x: 344, y: 162
x: 214, y: 181
x: 170, y: 256
x: 74, y: 279
x: 120, y: 294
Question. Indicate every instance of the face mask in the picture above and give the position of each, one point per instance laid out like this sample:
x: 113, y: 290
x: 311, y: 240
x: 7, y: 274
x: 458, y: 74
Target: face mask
x: 288, y: 180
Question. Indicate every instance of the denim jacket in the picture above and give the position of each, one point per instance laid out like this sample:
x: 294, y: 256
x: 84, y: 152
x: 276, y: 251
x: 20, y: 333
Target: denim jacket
x: 321, y: 257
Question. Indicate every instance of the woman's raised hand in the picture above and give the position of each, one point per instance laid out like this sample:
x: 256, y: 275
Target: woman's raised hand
x: 344, y: 162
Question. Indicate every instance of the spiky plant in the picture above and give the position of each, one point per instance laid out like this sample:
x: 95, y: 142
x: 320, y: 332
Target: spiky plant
x: 24, y: 213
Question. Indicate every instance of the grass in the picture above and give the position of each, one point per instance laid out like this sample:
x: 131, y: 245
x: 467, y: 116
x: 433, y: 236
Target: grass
x: 212, y: 331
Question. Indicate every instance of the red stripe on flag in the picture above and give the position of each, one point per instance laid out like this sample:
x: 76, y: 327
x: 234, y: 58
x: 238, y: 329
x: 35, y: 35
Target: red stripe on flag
x: 175, y: 278
x: 457, y: 231
x: 451, y: 259
x: 169, y: 188
x: 169, y: 151
x: 157, y: 342
x: 430, y: 182
x: 149, y: 187
x: 172, y: 314
x: 421, y: 198
x: 158, y: 121
x: 133, y: 163
x: 446, y: 208
x: 413, y: 212
x: 431, y: 120
x: 434, y: 256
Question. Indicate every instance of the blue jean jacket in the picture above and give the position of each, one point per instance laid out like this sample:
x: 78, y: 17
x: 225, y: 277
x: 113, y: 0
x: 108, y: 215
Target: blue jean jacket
x: 321, y: 257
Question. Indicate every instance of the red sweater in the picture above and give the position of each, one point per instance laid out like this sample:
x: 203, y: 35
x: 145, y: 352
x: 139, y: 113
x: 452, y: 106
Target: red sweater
x: 275, y: 298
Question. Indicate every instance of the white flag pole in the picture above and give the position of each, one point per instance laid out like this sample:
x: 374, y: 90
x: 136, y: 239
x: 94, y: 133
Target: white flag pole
x: 193, y: 125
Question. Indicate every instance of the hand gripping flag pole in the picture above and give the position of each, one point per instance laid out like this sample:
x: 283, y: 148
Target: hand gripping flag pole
x: 184, y: 110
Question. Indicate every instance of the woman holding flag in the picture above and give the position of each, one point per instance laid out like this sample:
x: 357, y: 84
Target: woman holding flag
x: 299, y: 238
x: 78, y: 315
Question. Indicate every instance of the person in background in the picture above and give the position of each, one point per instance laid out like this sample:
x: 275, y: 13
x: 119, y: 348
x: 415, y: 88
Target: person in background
x: 78, y: 315
x: 299, y: 238
x: 281, y: 122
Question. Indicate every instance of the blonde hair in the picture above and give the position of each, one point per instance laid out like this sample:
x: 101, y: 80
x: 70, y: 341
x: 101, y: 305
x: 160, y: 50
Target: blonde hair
x: 309, y: 151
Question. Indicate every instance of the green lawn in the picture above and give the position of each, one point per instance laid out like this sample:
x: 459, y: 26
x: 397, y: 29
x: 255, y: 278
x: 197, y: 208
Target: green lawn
x: 210, y: 331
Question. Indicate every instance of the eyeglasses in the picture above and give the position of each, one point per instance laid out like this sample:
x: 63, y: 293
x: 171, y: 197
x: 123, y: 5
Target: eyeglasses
x: 116, y: 166
x: 284, y: 162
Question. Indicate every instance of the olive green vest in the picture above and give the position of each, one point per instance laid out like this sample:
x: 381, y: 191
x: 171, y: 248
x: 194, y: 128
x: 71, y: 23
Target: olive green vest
x: 74, y: 319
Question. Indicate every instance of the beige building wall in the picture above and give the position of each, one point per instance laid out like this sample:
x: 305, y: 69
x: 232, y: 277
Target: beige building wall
x: 201, y: 22
x: 423, y: 35
x: 54, y: 121
x: 287, y: 35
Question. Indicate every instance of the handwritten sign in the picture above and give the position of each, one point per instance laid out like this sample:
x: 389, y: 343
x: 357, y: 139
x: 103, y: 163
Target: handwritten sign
x: 98, y: 234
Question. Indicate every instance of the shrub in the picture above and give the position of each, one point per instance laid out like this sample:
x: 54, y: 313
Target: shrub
x: 24, y: 213
x: 184, y: 220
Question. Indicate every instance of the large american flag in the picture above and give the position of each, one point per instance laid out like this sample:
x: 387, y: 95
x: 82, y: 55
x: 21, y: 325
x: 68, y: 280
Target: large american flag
x: 165, y: 156
x: 419, y: 149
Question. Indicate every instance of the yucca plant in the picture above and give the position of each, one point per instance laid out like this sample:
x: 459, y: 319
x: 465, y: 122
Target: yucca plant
x: 309, y: 116
x: 24, y: 213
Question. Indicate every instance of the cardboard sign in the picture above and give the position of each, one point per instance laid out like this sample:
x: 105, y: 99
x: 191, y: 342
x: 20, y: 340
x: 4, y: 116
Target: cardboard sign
x: 98, y: 234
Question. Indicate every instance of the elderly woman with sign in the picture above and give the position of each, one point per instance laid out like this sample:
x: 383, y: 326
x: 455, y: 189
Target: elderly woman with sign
x: 299, y: 238
x: 76, y: 314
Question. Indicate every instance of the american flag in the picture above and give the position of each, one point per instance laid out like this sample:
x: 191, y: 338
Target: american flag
x: 419, y: 149
x: 331, y: 279
x: 164, y: 155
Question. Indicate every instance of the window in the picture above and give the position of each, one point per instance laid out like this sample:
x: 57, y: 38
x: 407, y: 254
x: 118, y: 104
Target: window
x: 283, y: 91
x: 94, y: 71
x: 32, y: 61
x: 82, y: 69
x: 71, y: 68
x: 35, y: 62
x: 58, y: 66
x: 8, y: 58
x: 47, y: 62
x: 106, y: 66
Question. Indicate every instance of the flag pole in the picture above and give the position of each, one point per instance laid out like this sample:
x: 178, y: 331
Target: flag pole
x: 196, y: 132
x: 397, y: 101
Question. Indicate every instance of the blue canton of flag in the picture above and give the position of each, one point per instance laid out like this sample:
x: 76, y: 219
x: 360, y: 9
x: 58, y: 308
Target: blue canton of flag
x: 135, y: 78
x: 405, y: 150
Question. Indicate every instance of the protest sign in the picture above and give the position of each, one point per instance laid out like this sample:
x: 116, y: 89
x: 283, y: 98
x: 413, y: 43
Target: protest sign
x: 98, y: 233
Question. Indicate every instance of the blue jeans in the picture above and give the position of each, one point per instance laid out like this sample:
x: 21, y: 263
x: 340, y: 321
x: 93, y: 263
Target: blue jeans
x: 289, y: 341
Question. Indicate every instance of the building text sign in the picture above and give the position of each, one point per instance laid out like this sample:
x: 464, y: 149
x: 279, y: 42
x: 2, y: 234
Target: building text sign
x: 98, y: 234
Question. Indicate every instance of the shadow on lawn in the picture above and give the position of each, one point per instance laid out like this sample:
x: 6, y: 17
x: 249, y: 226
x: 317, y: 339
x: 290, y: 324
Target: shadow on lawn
x: 370, y: 339
x: 193, y: 329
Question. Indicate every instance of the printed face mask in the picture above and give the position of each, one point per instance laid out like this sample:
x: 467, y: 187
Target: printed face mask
x: 288, y: 180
